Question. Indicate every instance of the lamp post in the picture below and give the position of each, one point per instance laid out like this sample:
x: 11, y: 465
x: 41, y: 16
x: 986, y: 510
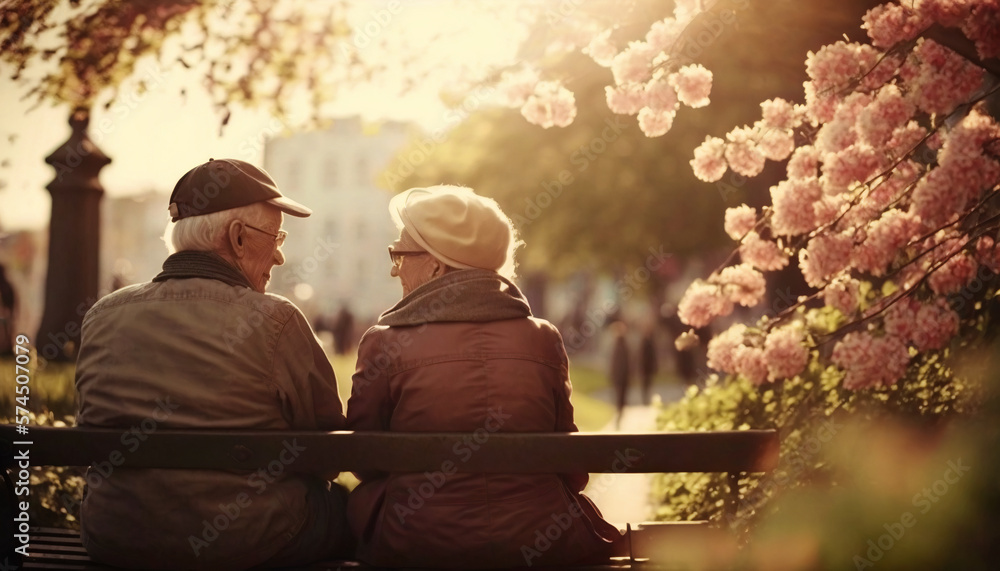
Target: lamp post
x: 71, y: 283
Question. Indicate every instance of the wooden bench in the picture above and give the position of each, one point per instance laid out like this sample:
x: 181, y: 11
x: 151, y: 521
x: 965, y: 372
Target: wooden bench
x: 733, y: 452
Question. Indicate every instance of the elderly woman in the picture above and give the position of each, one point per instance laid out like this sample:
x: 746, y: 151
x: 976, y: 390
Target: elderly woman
x: 459, y: 352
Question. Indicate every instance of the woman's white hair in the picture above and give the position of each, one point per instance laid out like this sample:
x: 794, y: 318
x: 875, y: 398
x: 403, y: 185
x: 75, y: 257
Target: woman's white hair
x: 207, y: 233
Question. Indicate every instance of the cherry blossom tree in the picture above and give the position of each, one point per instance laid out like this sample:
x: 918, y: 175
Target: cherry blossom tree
x: 890, y: 206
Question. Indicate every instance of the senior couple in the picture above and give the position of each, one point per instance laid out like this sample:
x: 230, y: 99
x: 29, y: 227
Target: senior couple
x: 171, y: 340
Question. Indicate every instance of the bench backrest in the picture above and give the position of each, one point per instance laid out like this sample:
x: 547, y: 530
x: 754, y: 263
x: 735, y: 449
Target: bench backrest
x: 323, y: 452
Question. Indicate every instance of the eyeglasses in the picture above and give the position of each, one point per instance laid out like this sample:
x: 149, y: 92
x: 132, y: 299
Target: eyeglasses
x: 396, y: 256
x: 279, y: 238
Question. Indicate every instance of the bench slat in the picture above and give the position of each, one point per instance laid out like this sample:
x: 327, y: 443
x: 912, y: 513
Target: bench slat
x: 721, y: 451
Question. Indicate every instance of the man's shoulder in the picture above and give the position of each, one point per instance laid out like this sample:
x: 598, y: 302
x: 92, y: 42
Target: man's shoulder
x: 271, y: 305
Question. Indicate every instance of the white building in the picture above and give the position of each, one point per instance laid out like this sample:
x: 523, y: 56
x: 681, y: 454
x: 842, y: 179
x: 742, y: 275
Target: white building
x: 338, y: 255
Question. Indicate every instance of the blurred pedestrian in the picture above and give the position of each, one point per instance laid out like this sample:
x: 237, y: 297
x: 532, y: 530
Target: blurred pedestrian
x: 620, y: 370
x: 648, y: 362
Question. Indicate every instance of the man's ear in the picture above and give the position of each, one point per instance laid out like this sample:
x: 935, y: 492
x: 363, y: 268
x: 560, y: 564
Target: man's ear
x: 235, y: 235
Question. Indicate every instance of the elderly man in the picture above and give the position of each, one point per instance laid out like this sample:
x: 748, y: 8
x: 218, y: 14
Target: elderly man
x: 203, y: 346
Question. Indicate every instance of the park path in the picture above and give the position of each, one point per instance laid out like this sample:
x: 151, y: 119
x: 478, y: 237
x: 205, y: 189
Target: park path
x: 625, y: 497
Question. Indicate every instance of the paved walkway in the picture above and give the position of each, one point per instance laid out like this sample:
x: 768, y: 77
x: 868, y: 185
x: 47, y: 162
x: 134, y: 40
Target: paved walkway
x: 625, y: 497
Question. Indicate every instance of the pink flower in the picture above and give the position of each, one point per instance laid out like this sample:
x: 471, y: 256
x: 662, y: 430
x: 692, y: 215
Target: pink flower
x: 956, y: 273
x: 890, y: 24
x: 945, y: 12
x: 840, y: 133
x: 778, y: 114
x: 655, y: 123
x: 721, y: 348
x: 663, y: 34
x: 905, y: 139
x: 821, y: 105
x: 885, y: 238
x: 740, y: 220
x: 927, y: 325
x: 825, y: 255
x: 550, y: 105
x: 751, y: 363
x: 888, y: 112
x: 709, y: 162
x: 661, y: 96
x: 855, y: 164
x: 870, y: 361
x: 742, y: 153
x: 515, y: 87
x: 793, y: 201
x: 601, y: 49
x: 804, y: 162
x: 842, y: 295
x: 694, y: 84
x: 763, y: 255
x: 835, y: 65
x: 988, y: 254
x: 898, y: 320
x: 981, y: 27
x: 785, y: 352
x: 741, y: 284
x: 776, y: 144
x: 703, y: 302
x: 945, y: 79
x: 634, y: 64
x: 625, y: 99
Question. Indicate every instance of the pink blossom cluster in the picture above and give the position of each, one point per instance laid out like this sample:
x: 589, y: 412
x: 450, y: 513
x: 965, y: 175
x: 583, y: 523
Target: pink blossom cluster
x: 950, y: 267
x: 943, y: 79
x: 793, y: 201
x: 889, y: 111
x: 870, y: 361
x: 602, y: 49
x: 926, y: 325
x: 779, y: 114
x: 709, y: 162
x: 981, y: 27
x: 741, y: 284
x: 884, y: 241
x: 516, y: 86
x: 625, y: 99
x: 831, y: 70
x: 785, y: 352
x: 705, y: 300
x: 693, y: 84
x: 804, y: 162
x: 551, y: 105
x: 722, y: 347
x: 841, y: 132
x: 842, y: 295
x: 856, y: 164
x: 824, y: 256
x: 655, y: 123
x: 764, y: 255
x: 964, y: 171
x: 633, y: 64
x: 988, y: 254
x: 742, y: 153
x: 890, y: 24
x: 774, y: 143
x: 740, y: 220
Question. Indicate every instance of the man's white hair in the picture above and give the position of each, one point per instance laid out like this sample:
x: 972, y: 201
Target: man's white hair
x: 207, y: 233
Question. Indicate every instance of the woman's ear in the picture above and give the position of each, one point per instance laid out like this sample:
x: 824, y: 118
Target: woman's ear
x: 235, y: 236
